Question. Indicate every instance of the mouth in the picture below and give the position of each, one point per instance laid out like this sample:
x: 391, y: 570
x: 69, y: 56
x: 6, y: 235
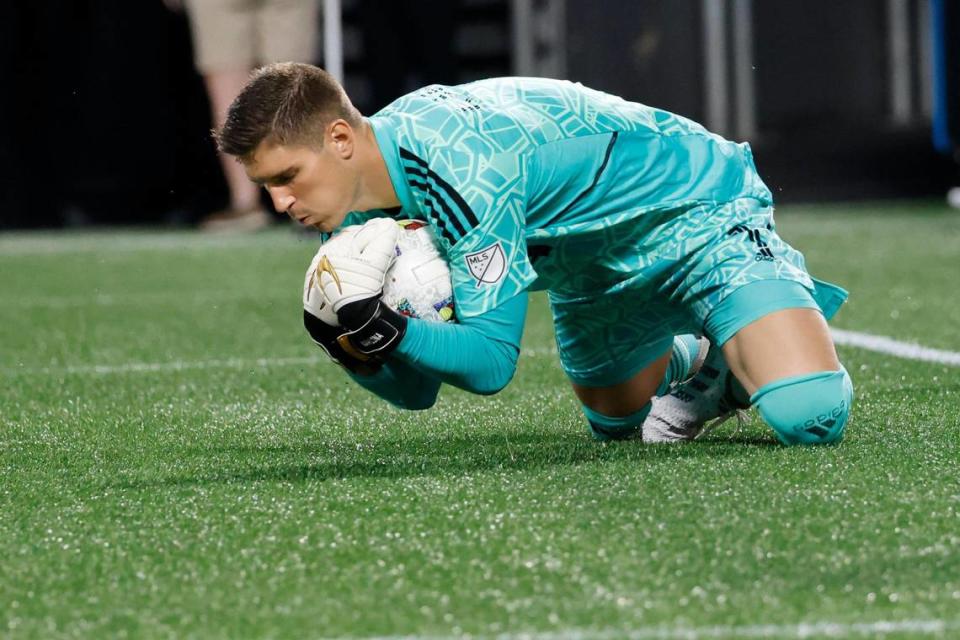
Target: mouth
x: 302, y: 219
x: 305, y: 219
x: 312, y: 225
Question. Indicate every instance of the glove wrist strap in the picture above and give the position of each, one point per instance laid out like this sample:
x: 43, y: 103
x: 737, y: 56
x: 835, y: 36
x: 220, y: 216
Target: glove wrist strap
x: 375, y: 329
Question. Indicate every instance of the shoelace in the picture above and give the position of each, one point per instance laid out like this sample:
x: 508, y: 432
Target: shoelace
x: 734, y: 410
x: 740, y: 414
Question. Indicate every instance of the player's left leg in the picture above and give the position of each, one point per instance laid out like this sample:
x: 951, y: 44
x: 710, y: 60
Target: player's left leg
x: 766, y: 319
x: 784, y: 362
x: 788, y: 342
x: 787, y: 362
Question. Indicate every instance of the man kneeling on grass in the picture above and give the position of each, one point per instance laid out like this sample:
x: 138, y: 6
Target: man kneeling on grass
x: 647, y: 230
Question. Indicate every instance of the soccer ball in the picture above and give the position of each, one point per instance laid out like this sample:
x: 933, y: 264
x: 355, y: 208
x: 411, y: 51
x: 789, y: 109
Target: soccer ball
x: 418, y: 283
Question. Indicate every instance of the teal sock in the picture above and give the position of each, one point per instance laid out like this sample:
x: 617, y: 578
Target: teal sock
x: 686, y: 348
x: 605, y: 428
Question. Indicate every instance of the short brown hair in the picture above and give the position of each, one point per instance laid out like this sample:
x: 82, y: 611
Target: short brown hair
x: 288, y: 103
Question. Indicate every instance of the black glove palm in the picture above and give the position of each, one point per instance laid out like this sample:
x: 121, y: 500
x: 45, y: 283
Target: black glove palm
x: 326, y: 337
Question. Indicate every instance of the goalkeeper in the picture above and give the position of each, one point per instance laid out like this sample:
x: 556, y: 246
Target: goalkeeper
x: 645, y: 229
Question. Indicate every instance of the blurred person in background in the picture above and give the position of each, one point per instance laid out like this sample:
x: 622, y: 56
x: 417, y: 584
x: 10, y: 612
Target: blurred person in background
x: 230, y: 39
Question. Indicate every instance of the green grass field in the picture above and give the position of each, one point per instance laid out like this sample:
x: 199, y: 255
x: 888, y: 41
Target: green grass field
x: 178, y: 460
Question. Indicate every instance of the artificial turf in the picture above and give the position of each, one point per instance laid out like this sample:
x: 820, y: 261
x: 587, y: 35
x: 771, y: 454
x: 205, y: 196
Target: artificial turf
x: 178, y: 460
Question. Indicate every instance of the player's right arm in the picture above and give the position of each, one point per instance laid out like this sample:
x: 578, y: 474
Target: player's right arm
x: 479, y: 355
x: 396, y: 382
x: 401, y: 385
x: 402, y: 360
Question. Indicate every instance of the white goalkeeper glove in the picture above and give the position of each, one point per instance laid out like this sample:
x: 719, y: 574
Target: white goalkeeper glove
x: 313, y: 300
x: 353, y: 264
x: 342, y: 308
x: 320, y: 320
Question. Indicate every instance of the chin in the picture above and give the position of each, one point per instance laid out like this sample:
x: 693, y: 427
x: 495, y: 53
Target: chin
x: 333, y: 224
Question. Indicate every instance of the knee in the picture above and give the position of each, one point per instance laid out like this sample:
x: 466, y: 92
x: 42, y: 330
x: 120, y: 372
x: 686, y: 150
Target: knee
x: 604, y: 427
x: 807, y: 409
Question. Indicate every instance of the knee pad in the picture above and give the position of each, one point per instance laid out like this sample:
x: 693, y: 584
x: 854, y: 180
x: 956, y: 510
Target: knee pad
x: 807, y: 409
x: 605, y: 428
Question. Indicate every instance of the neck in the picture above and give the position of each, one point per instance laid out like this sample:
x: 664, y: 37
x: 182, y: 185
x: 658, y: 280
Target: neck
x: 376, y: 188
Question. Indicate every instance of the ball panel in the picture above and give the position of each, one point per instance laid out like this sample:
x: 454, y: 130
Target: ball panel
x: 418, y: 283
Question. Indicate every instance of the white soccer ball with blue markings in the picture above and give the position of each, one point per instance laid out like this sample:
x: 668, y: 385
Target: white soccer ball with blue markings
x: 418, y: 283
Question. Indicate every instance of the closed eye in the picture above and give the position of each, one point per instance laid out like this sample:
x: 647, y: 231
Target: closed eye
x: 278, y: 180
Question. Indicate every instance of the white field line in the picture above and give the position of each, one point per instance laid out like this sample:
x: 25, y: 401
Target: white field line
x: 889, y: 346
x: 175, y: 365
x: 148, y: 297
x: 182, y: 365
x: 39, y: 243
x: 800, y: 630
x: 881, y: 344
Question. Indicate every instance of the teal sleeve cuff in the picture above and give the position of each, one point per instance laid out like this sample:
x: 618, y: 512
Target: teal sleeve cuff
x: 478, y: 355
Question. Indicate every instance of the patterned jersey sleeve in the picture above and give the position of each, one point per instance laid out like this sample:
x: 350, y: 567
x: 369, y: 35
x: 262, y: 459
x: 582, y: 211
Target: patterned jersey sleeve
x: 475, y: 198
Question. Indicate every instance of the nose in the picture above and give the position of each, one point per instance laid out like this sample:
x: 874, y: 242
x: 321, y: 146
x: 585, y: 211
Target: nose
x: 282, y: 198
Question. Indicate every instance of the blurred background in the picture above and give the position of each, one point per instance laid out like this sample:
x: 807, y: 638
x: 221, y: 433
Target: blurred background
x: 106, y: 112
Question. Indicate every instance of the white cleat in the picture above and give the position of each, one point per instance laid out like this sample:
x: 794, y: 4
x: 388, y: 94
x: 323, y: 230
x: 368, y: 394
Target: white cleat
x: 696, y: 406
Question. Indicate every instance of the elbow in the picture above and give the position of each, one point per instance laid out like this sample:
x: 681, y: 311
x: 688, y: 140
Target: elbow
x: 489, y: 391
x: 492, y: 386
x: 498, y: 379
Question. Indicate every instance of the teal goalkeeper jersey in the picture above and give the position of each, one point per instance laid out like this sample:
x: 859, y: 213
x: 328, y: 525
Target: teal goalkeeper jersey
x: 509, y: 170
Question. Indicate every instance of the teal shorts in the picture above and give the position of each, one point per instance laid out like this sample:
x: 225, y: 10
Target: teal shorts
x: 720, y: 268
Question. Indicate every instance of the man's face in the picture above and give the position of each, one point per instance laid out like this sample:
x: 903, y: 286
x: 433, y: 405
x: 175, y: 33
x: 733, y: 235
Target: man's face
x: 312, y: 186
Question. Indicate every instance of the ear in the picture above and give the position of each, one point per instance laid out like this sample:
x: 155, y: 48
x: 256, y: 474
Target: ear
x: 340, y: 137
